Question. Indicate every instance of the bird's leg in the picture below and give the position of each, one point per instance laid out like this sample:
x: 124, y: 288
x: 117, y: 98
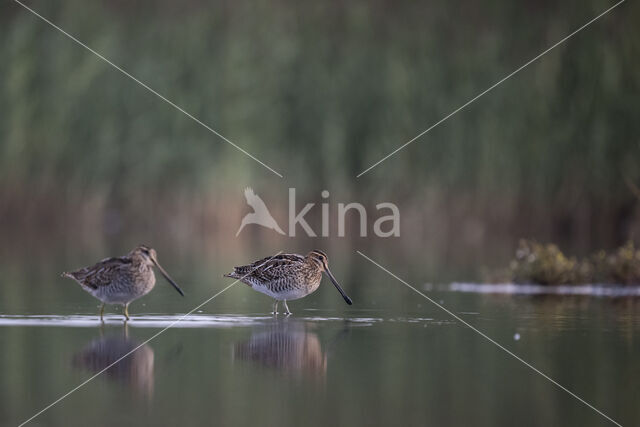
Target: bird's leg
x: 275, y: 308
x: 286, y: 307
x: 102, y: 312
x: 126, y: 311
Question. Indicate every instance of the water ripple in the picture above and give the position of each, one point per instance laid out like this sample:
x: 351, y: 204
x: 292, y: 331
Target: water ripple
x: 191, y: 321
x: 521, y: 289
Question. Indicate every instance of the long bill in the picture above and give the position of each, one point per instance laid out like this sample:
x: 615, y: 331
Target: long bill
x: 335, y: 283
x: 166, y: 276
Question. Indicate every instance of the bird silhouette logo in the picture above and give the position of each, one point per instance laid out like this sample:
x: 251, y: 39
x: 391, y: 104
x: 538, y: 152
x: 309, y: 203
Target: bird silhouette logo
x: 260, y: 214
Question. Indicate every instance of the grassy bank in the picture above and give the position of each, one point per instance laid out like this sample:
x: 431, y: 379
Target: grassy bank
x: 546, y: 264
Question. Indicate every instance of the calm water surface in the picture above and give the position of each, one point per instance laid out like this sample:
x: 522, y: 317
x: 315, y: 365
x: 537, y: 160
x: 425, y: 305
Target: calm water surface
x: 390, y: 359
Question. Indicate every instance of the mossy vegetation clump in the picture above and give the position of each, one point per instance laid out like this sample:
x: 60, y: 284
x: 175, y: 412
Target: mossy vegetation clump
x: 622, y: 266
x: 545, y: 264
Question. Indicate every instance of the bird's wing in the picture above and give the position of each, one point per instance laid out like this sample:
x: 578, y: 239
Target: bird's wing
x: 270, y: 267
x: 100, y: 274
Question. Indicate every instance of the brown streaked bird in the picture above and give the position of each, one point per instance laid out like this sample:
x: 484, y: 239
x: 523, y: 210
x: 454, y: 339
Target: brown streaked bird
x: 287, y: 276
x: 122, y: 280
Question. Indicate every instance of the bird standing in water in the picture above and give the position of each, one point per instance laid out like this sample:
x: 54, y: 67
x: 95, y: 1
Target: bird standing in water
x: 287, y: 276
x: 121, y: 280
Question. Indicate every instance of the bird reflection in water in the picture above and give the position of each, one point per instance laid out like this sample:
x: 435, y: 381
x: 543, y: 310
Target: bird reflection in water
x: 285, y: 346
x: 135, y: 371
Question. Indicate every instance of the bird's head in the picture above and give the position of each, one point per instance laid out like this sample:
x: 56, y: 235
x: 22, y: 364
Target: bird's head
x: 319, y: 259
x: 149, y: 257
x: 145, y: 254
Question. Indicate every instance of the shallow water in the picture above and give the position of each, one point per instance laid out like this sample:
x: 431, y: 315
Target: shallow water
x: 391, y: 358
x: 596, y: 290
x: 356, y: 367
x: 173, y: 321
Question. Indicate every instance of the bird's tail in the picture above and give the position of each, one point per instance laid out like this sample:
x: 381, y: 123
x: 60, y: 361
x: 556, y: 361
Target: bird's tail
x: 232, y: 275
x: 67, y: 275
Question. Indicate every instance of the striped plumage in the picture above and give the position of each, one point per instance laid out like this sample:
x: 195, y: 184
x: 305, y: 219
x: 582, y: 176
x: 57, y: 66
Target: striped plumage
x: 287, y: 276
x: 123, y: 279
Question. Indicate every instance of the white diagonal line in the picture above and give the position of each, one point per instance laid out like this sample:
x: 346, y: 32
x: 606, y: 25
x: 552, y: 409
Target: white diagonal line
x: 142, y: 344
x: 177, y: 107
x: 499, y: 82
x: 491, y: 340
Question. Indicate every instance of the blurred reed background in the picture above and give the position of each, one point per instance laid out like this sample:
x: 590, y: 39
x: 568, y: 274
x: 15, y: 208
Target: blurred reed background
x: 320, y: 91
x: 92, y: 164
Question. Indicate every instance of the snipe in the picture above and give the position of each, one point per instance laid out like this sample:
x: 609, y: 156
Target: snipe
x: 121, y: 280
x: 287, y: 276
